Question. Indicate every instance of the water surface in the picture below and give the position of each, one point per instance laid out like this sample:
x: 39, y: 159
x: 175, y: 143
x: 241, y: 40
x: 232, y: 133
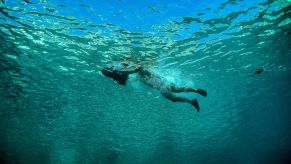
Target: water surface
x: 56, y: 107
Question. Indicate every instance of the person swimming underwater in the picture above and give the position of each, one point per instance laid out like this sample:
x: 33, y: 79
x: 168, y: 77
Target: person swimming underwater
x: 166, y: 88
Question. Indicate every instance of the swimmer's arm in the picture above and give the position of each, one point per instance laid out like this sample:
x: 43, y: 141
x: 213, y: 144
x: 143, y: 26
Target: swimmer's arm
x: 130, y: 71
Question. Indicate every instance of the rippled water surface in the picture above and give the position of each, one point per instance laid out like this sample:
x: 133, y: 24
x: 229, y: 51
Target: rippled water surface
x: 56, y: 107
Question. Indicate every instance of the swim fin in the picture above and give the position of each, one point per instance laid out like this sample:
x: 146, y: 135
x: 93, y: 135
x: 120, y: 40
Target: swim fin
x: 201, y: 92
x: 194, y: 102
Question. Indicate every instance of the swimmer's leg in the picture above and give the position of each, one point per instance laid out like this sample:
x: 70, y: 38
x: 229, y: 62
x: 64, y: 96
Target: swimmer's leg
x: 188, y: 89
x: 174, y: 98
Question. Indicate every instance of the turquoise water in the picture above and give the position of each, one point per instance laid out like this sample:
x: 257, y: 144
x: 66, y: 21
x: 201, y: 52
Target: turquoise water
x: 56, y: 107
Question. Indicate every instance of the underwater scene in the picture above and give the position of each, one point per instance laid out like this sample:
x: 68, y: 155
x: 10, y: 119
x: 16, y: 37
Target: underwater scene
x: 145, y: 82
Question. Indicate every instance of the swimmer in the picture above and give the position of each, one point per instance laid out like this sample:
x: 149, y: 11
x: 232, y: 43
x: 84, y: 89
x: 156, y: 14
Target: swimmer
x: 259, y: 71
x: 167, y: 89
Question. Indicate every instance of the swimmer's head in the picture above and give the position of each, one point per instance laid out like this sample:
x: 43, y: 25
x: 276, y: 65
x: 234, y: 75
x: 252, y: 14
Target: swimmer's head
x: 120, y: 78
x: 107, y: 71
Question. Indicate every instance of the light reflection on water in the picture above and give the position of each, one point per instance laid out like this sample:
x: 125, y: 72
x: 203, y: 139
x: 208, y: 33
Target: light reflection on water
x: 56, y: 107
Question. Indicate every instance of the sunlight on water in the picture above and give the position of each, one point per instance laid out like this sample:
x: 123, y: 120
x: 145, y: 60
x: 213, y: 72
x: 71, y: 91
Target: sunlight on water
x: 57, y: 107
